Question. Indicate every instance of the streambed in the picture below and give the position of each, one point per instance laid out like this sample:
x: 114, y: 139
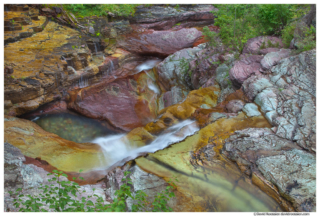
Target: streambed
x: 72, y: 127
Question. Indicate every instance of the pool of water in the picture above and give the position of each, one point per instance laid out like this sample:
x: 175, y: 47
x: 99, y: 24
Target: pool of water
x: 72, y: 127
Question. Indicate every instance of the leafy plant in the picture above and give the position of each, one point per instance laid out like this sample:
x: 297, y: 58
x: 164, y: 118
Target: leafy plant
x: 86, y: 10
x: 211, y: 36
x: 274, y: 17
x: 287, y: 34
x: 61, y: 196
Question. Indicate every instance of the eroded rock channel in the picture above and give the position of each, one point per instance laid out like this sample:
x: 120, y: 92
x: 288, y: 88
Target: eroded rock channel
x: 238, y: 136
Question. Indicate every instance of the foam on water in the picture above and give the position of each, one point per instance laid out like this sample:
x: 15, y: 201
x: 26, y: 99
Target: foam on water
x: 153, y: 88
x: 116, y: 148
x: 147, y: 65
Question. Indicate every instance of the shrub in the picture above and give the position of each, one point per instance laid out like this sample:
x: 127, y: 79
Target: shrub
x: 60, y: 197
x: 287, y: 34
x: 274, y: 17
x: 85, y: 10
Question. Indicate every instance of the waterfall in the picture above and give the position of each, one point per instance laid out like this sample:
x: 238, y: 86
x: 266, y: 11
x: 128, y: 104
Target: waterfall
x: 147, y: 65
x: 153, y: 88
x: 83, y: 82
x: 116, y: 147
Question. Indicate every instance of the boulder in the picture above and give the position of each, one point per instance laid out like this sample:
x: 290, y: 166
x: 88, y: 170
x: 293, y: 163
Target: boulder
x: 126, y: 103
x: 255, y: 45
x: 272, y: 58
x: 235, y: 106
x: 204, y: 66
x: 160, y: 43
x: 160, y: 17
x: 173, y: 70
x: 244, y: 68
x: 223, y: 79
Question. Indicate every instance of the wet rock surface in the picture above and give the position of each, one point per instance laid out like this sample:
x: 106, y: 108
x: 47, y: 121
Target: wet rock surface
x: 126, y: 103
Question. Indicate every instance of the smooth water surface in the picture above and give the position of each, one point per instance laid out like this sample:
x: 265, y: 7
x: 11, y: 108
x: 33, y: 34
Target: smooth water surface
x: 71, y: 127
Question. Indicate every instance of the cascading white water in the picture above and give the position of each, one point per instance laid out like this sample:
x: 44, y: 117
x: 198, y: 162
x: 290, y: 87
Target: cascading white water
x: 83, y: 82
x: 147, y: 65
x: 153, y: 88
x: 111, y: 68
x: 116, y: 148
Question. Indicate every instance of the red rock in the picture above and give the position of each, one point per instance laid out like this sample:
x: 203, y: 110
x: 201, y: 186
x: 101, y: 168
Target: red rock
x: 244, y: 68
x: 159, y: 43
x: 254, y: 45
x: 235, y: 106
x: 126, y: 103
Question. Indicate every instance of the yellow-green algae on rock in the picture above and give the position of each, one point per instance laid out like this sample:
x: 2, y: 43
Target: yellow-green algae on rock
x: 215, y: 185
x: 63, y: 154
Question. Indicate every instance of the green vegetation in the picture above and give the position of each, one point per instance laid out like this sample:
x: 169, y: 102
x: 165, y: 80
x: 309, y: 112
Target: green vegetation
x: 239, y: 22
x: 60, y: 197
x: 274, y: 17
x: 86, y: 10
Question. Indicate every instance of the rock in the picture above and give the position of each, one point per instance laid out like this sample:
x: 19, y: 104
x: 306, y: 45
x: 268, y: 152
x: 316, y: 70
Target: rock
x: 172, y: 71
x: 204, y: 67
x: 279, y: 160
x: 244, y: 68
x: 255, y: 84
x: 160, y: 43
x: 174, y: 96
x: 114, y: 29
x: 235, y: 106
x: 18, y: 174
x: 287, y: 98
x: 141, y: 180
x: 223, y: 79
x: 255, y: 45
x: 251, y: 110
x: 91, y: 30
x: 7, y: 104
x: 126, y: 103
x: 159, y: 17
x: 294, y: 175
x: 268, y: 50
x: 272, y: 58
